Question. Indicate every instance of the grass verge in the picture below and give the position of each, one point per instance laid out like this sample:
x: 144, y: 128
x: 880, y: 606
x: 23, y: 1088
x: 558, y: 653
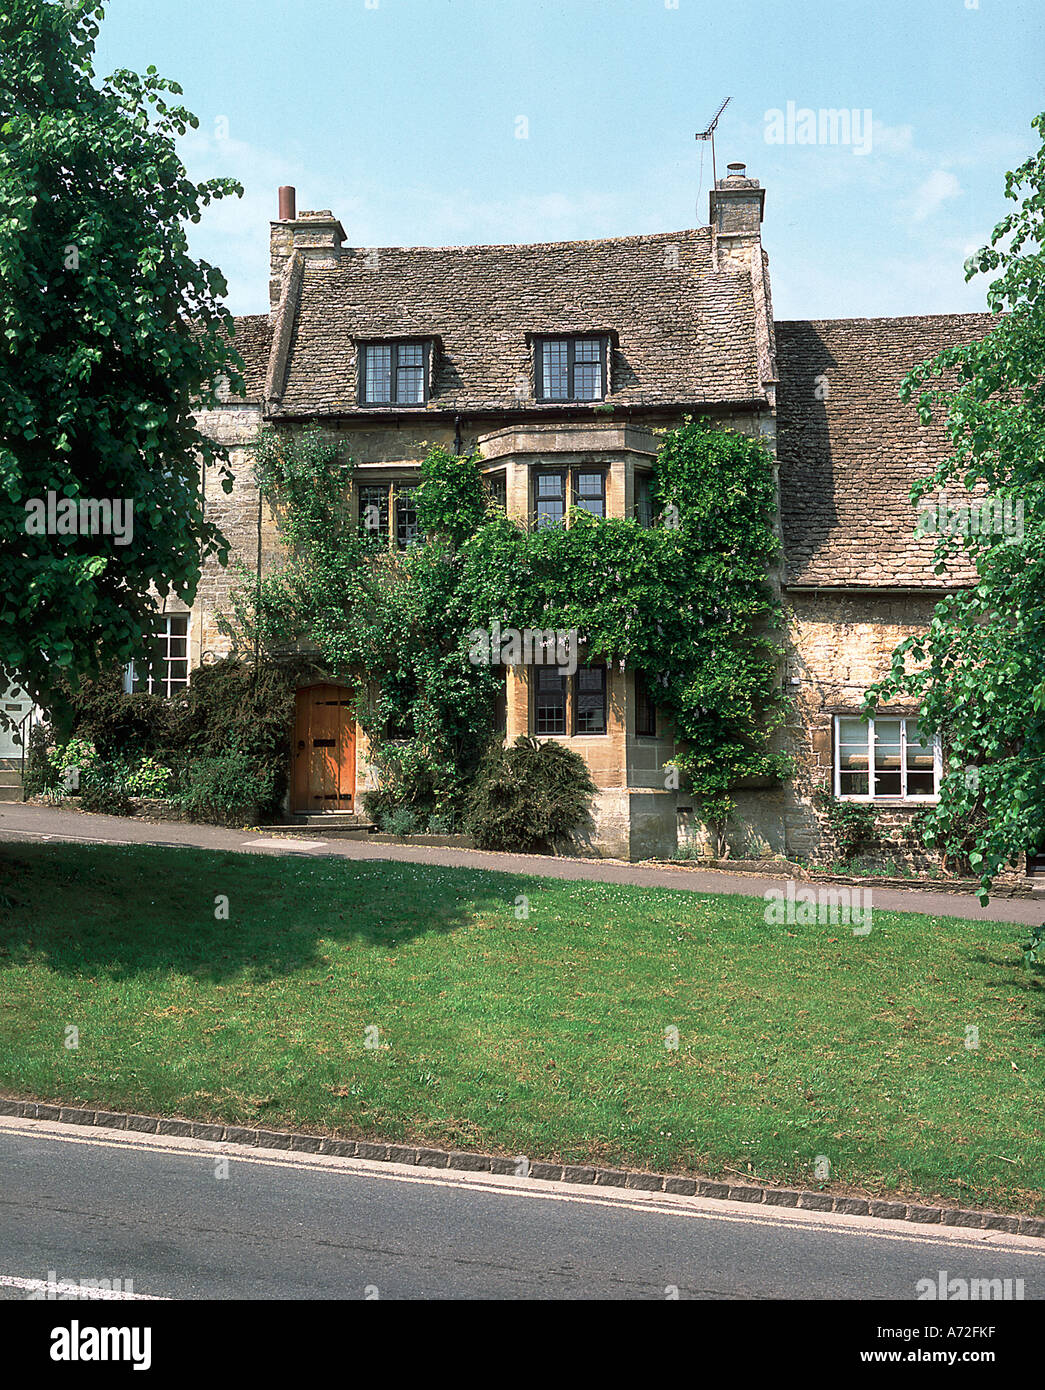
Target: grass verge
x: 421, y: 1004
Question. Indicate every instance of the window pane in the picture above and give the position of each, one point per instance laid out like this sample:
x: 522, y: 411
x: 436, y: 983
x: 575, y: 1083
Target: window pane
x: 886, y: 745
x: 373, y: 510
x: 411, y: 355
x: 643, y: 501
x: 853, y: 737
x: 588, y: 350
x: 410, y: 385
x: 919, y: 751
x: 853, y: 783
x: 499, y: 488
x: 921, y: 762
x: 551, y: 498
x: 379, y: 374
x: 550, y: 701
x: 587, y: 381
x: 407, y: 530
x: 853, y: 731
x: 921, y: 784
x: 591, y: 700
x: 555, y: 360
x: 645, y: 710
x: 591, y: 493
x: 887, y: 780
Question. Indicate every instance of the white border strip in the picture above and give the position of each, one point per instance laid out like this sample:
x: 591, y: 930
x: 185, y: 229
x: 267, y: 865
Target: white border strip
x: 87, y: 1292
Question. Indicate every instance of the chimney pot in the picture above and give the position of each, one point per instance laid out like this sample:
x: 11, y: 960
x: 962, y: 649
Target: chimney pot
x: 288, y: 198
x: 737, y: 168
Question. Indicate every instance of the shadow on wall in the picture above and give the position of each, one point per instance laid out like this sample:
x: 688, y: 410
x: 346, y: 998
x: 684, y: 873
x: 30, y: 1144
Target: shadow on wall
x: 807, y: 476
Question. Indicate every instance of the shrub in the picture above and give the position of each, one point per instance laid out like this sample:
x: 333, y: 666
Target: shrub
x: 103, y: 789
x: 379, y: 803
x: 149, y: 777
x: 229, y: 789
x: 400, y: 821
x: 529, y: 796
x: 76, y: 752
x: 119, y: 724
x: 229, y: 705
x: 852, y: 824
x: 41, y: 777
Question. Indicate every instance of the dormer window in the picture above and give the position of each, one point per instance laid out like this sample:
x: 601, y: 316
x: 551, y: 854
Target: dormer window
x: 571, y: 369
x: 394, y: 373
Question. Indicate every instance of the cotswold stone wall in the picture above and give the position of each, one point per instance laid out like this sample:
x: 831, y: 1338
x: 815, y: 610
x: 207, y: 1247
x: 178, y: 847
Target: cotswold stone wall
x: 234, y: 425
x: 837, y: 645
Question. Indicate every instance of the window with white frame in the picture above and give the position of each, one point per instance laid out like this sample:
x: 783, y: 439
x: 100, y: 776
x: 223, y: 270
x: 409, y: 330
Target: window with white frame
x: 166, y: 670
x: 887, y: 758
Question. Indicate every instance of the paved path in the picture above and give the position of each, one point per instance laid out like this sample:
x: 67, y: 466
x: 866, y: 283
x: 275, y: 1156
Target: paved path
x: 20, y: 822
x: 164, y: 1213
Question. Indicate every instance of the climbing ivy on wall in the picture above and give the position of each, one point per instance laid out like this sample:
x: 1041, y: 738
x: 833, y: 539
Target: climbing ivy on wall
x: 686, y: 602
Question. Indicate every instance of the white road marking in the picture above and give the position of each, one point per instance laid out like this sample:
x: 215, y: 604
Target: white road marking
x: 503, y: 1185
x: 287, y: 844
x: 87, y: 1291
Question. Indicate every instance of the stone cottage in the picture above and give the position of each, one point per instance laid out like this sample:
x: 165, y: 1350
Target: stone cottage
x: 557, y: 362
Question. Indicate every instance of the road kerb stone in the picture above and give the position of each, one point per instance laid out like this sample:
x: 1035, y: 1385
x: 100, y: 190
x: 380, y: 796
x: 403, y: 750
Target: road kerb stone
x: 816, y: 1201
x: 181, y: 1127
x: 468, y: 1161
x: 745, y: 1193
x: 644, y: 1182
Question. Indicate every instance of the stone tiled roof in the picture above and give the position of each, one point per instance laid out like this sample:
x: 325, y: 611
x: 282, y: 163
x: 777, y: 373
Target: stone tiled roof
x: 850, y: 451
x: 253, y: 340
x: 686, y: 331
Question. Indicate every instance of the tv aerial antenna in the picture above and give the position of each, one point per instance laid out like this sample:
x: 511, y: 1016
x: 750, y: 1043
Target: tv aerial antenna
x: 709, y: 134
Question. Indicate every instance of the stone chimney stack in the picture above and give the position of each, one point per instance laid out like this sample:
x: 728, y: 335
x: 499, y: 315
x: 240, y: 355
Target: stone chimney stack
x: 314, y: 236
x: 736, y: 204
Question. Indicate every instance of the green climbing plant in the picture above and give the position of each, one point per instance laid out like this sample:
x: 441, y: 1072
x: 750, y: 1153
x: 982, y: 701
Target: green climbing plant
x: 686, y: 602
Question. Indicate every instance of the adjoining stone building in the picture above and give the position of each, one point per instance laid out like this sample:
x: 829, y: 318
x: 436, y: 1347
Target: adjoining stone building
x: 558, y: 362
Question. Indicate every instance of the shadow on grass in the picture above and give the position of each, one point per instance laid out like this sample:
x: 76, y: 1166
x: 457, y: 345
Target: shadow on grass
x: 120, y: 911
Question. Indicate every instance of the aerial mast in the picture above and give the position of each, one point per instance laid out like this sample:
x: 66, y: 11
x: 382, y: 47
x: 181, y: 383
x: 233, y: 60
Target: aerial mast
x: 709, y: 134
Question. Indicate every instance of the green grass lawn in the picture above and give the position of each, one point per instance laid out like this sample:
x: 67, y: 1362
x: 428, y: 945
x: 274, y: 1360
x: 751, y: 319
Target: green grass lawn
x: 543, y: 1036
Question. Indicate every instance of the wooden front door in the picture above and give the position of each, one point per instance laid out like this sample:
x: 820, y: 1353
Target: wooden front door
x: 324, y: 773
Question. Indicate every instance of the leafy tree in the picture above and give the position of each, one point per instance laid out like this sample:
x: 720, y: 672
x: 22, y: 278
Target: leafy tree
x: 979, y: 671
x: 111, y: 338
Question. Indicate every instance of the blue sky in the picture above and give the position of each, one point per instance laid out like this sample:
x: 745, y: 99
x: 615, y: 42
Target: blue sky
x: 405, y: 117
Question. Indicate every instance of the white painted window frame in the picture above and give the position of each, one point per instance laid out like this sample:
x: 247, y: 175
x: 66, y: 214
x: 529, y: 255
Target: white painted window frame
x: 871, y: 741
x: 164, y: 687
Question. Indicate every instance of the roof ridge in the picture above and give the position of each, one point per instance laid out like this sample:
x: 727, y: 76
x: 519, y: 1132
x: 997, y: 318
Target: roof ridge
x: 899, y: 318
x: 540, y: 245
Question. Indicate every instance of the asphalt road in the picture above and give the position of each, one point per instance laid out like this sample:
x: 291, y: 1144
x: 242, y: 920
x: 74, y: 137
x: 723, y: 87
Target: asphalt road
x: 19, y: 822
x: 77, y: 1206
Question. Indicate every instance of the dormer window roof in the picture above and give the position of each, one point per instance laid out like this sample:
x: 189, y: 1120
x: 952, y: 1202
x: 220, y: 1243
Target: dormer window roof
x: 571, y: 366
x: 395, y: 371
